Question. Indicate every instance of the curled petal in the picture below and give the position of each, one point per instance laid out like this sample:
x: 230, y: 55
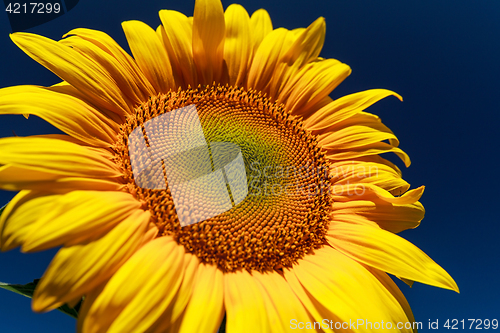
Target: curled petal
x: 358, y: 171
x: 356, y: 136
x: 344, y: 192
x: 392, y: 217
x: 367, y: 150
x: 345, y: 107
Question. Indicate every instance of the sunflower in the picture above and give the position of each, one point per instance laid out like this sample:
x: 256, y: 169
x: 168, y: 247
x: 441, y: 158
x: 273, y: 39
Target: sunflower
x: 308, y: 239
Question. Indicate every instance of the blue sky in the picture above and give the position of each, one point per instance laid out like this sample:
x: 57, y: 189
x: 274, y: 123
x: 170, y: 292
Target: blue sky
x: 441, y: 56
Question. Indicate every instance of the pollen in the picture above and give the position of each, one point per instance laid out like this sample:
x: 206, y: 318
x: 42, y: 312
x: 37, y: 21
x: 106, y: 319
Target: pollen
x: 285, y: 212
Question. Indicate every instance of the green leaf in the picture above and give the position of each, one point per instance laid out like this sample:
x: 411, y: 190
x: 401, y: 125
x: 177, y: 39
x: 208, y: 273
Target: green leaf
x: 28, y: 290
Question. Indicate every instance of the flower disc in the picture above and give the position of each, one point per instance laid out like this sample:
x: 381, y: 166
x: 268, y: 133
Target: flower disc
x: 283, y: 216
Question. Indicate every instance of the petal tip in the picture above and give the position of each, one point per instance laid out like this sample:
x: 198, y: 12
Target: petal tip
x: 43, y: 303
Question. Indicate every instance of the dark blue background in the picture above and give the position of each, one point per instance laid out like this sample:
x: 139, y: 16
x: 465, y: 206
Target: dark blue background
x: 441, y: 56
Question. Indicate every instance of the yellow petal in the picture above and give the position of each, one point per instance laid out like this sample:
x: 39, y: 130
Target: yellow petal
x: 261, y: 25
x: 66, y: 88
x: 381, y: 175
x: 191, y: 267
x: 245, y: 306
x: 150, y: 55
x: 55, y: 156
x: 173, y: 316
x: 351, y: 218
x: 312, y: 84
x: 20, y: 215
x: 342, y: 290
x: 237, y: 45
x: 315, y: 309
x: 344, y: 192
x: 345, y: 107
x: 136, y: 296
x: 266, y: 58
x: 208, y: 40
x: 139, y: 85
x: 79, y: 216
x: 78, y: 269
x: 381, y: 160
x: 14, y: 178
x: 364, y: 119
x: 92, y: 295
x: 389, y: 253
x: 132, y: 88
x: 367, y: 150
x: 355, y: 136
x: 76, y: 69
x: 392, y: 217
x: 207, y: 294
x: 394, y: 290
x: 63, y: 185
x: 308, y: 44
x: 69, y: 114
x: 305, y: 48
x: 178, y: 41
x: 281, y: 303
